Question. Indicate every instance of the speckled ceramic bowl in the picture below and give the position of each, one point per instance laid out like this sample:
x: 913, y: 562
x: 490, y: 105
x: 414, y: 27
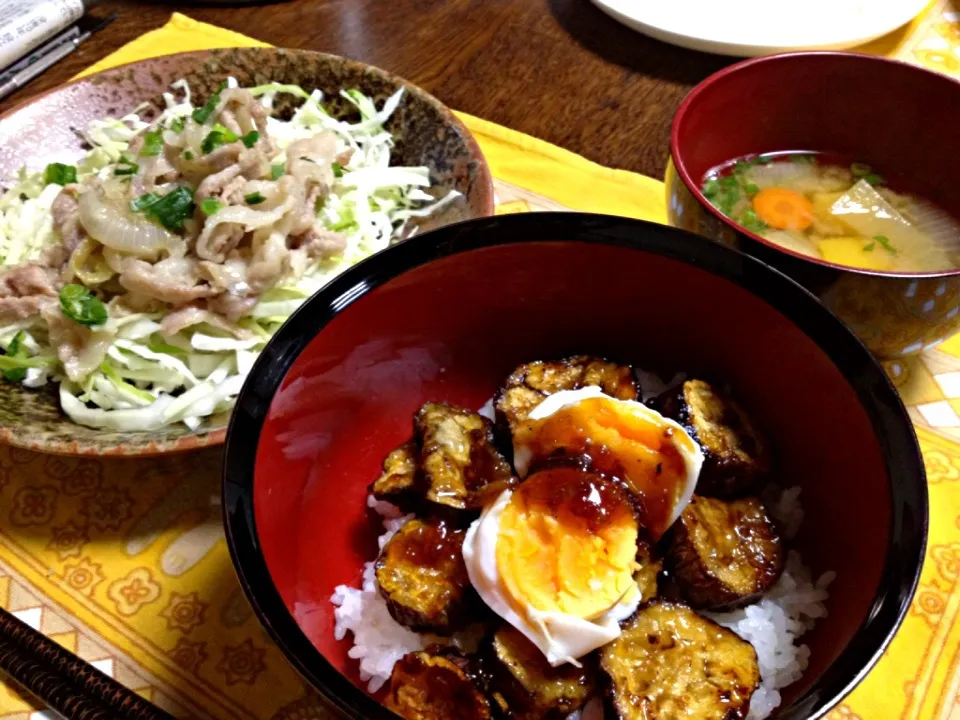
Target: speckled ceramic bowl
x: 45, y: 130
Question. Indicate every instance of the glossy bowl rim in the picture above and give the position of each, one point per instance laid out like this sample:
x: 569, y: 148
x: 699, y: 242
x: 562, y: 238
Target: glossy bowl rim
x: 877, y: 395
x: 694, y: 185
x: 216, y: 435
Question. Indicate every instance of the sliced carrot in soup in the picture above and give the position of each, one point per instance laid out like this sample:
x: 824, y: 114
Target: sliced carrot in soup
x: 783, y: 209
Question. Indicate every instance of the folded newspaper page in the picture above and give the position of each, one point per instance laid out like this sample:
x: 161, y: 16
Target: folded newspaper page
x: 25, y: 24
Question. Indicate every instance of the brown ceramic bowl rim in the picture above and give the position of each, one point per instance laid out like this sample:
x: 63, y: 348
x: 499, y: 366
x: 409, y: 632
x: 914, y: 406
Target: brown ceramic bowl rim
x: 446, y: 112
x: 694, y: 185
x: 217, y: 435
x: 199, y: 440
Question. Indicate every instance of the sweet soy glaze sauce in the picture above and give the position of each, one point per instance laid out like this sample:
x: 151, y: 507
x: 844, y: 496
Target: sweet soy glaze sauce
x: 643, y: 460
x: 434, y: 544
x: 570, y: 491
x: 837, y: 209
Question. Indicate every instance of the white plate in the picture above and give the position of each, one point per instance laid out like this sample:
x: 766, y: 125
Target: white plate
x: 763, y: 27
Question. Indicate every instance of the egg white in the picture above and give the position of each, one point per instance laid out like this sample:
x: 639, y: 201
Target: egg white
x: 562, y: 638
x: 692, y: 459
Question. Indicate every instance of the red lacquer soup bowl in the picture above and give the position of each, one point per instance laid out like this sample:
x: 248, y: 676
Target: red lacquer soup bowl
x: 899, y: 118
x: 447, y: 315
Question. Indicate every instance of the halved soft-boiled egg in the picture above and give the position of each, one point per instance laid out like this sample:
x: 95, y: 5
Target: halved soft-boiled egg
x: 555, y: 558
x: 653, y: 456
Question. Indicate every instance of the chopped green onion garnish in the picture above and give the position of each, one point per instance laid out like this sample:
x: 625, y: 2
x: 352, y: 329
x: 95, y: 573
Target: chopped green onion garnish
x: 869, y: 247
x: 169, y: 210
x: 152, y: 143
x: 188, y: 155
x: 277, y: 171
x: 177, y: 125
x: 201, y: 115
x: 59, y: 174
x: 82, y: 306
x: 860, y: 169
x: 125, y: 166
x: 337, y: 169
x: 725, y: 205
x: 253, y: 198
x: 210, y: 205
x: 885, y: 243
x: 217, y: 137
x: 752, y: 222
x: 143, y: 202
x: 728, y: 182
x: 751, y: 189
x: 16, y: 350
x: 764, y: 160
x: 250, y: 139
x: 875, y: 179
x: 710, y: 188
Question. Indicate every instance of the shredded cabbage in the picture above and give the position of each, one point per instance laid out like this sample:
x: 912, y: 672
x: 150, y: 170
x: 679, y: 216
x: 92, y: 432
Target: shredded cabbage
x: 150, y: 380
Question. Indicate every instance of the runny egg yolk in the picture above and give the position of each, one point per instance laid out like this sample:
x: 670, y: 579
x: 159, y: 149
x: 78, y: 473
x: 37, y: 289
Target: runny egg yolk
x: 567, y: 543
x: 653, y: 456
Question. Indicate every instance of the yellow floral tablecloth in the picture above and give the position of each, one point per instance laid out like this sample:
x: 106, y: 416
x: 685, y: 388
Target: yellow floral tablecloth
x: 124, y: 563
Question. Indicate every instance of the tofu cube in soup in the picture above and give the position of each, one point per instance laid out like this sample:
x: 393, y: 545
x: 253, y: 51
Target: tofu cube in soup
x: 669, y: 662
x: 529, y: 384
x: 422, y: 576
x: 724, y: 553
x: 736, y: 455
x: 461, y: 467
x: 436, y: 684
x: 398, y: 482
x: 524, y: 686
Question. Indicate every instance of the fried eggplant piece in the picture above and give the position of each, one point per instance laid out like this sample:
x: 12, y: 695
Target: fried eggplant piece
x: 670, y: 662
x: 461, y: 467
x: 735, y: 453
x: 422, y: 576
x: 524, y: 686
x: 530, y: 383
x: 398, y: 482
x: 436, y: 684
x: 724, y: 553
x: 648, y: 573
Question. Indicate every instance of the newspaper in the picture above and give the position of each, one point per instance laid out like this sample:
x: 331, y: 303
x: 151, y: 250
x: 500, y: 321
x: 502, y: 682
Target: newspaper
x: 26, y: 24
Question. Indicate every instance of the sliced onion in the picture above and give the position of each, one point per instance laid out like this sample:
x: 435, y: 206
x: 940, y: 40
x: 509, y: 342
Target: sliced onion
x: 249, y: 218
x: 117, y: 228
x: 88, y: 264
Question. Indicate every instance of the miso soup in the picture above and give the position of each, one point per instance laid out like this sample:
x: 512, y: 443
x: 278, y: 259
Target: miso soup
x: 842, y: 213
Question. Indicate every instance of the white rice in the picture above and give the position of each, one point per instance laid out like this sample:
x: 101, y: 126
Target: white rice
x: 488, y: 410
x: 788, y: 610
x: 773, y: 625
x: 379, y: 640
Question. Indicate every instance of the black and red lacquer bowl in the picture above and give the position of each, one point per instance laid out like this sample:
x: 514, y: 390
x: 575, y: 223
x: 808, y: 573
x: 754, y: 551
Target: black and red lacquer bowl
x: 899, y: 118
x: 447, y: 315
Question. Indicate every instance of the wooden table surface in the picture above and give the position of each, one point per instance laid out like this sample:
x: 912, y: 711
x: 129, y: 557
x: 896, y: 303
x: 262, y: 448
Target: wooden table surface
x: 560, y: 70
